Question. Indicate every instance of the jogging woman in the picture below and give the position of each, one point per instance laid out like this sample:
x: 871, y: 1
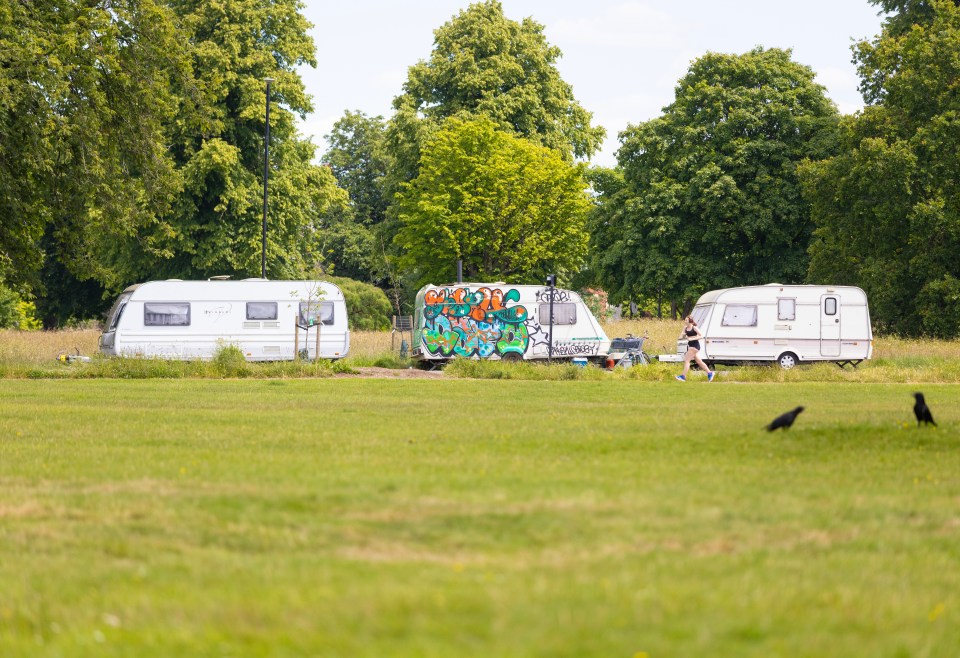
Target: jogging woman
x: 693, y: 336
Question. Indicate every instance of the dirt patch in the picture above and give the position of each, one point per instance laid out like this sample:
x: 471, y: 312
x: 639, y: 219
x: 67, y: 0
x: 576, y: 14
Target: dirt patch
x: 392, y: 373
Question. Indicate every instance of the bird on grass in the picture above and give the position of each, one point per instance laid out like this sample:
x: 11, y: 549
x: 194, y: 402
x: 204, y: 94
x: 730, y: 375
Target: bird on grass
x: 784, y: 420
x: 922, y: 411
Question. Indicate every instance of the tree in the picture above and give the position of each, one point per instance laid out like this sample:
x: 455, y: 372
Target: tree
x: 887, y: 207
x: 485, y: 64
x: 85, y: 93
x: 511, y: 210
x: 710, y: 196
x: 214, y: 227
x: 358, y: 160
x: 904, y: 14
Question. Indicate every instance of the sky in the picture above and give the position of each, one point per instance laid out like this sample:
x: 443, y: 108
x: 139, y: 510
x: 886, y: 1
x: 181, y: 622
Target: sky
x: 623, y: 58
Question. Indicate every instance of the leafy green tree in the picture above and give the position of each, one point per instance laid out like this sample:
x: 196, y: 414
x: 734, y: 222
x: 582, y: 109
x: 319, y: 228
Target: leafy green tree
x: 485, y: 64
x: 511, y: 210
x: 887, y: 207
x: 357, y: 157
x: 710, y: 196
x: 85, y: 93
x: 352, y: 240
x: 904, y: 14
x: 214, y: 226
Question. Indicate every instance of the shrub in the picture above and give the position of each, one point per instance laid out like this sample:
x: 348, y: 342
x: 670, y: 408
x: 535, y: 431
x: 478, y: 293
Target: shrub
x: 367, y: 306
x: 229, y: 361
x: 16, y: 313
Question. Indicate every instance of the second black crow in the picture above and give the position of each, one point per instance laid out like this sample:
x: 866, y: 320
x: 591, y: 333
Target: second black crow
x: 785, y: 420
x: 922, y: 411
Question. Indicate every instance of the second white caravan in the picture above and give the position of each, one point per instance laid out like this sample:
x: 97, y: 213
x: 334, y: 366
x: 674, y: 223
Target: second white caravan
x: 267, y: 320
x: 784, y: 324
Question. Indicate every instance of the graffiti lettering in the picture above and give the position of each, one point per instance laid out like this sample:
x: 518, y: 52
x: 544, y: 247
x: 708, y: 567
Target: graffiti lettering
x: 458, y: 321
x: 543, y: 296
x: 575, y: 349
x: 514, y: 339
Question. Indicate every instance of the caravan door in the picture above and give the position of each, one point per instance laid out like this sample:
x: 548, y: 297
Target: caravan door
x: 829, y: 325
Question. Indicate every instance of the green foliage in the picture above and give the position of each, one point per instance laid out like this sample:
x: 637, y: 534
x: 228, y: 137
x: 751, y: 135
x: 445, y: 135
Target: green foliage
x: 484, y: 64
x: 511, y: 210
x: 85, y: 92
x: 904, y: 14
x: 367, y: 306
x: 9, y: 315
x: 709, y: 196
x: 353, y: 240
x: 887, y: 207
x: 230, y: 361
x: 215, y: 227
x: 27, y: 316
x: 17, y: 313
x: 358, y: 160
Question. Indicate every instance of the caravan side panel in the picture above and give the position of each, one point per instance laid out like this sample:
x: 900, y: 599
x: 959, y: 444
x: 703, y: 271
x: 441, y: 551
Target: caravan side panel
x: 500, y: 321
x: 765, y: 323
x: 193, y: 319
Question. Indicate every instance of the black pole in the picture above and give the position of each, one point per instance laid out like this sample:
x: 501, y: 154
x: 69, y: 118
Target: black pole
x: 552, y: 282
x: 460, y: 271
x: 266, y: 178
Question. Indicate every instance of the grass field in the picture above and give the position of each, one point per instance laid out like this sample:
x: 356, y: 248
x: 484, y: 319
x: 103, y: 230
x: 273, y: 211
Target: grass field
x: 389, y: 518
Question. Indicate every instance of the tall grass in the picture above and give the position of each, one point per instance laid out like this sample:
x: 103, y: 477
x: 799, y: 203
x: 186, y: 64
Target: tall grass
x: 896, y: 359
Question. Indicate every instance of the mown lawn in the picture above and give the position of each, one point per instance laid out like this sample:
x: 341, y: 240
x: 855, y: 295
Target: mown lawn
x: 344, y: 517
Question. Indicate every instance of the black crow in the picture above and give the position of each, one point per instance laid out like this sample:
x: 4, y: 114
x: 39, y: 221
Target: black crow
x: 784, y: 421
x: 922, y: 411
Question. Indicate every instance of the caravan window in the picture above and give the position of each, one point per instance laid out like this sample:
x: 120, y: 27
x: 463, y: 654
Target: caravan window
x: 311, y: 312
x: 166, y: 314
x: 261, y: 310
x: 740, y: 315
x: 830, y: 306
x: 562, y: 313
x: 786, y: 308
x: 116, y: 316
x: 700, y: 314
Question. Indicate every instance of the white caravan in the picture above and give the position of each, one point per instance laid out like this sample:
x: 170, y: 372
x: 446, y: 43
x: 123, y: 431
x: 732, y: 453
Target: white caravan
x: 267, y: 320
x: 782, y: 323
x: 501, y: 321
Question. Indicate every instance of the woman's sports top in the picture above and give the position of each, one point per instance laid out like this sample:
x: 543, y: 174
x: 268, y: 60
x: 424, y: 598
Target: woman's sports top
x: 695, y: 344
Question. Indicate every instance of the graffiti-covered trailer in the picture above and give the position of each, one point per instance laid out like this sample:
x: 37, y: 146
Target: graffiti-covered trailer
x: 267, y: 320
x: 500, y: 321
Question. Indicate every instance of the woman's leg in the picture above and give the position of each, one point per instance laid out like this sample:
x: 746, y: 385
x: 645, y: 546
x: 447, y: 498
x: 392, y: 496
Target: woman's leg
x: 701, y: 363
x: 691, y: 353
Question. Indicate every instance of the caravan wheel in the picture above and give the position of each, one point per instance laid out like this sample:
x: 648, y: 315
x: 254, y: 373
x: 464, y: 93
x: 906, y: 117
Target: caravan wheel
x: 787, y: 360
x: 511, y: 357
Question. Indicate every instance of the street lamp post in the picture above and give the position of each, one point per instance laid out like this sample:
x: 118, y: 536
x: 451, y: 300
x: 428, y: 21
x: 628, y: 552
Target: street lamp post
x: 266, y: 178
x: 552, y: 283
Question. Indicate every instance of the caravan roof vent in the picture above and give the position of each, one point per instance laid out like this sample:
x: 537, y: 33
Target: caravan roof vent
x: 219, y: 277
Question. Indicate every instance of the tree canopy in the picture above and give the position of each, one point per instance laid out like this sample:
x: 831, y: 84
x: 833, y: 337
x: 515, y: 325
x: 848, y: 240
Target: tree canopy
x: 887, y: 207
x: 709, y: 196
x: 511, y: 210
x: 86, y: 90
x: 215, y: 225
x: 484, y: 64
